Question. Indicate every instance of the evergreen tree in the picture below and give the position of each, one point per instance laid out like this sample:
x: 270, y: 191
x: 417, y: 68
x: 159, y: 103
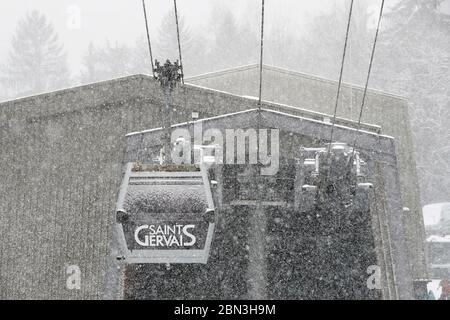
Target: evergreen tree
x: 415, y: 54
x: 224, y: 38
x: 324, y: 43
x: 141, y: 63
x: 90, y: 61
x: 108, y: 62
x: 166, y: 44
x: 37, y: 61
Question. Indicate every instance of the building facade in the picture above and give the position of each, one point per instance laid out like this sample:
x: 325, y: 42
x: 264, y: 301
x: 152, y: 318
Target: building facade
x: 62, y: 161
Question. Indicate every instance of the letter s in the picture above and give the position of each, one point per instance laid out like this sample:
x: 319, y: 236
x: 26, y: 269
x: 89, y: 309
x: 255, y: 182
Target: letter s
x: 190, y: 235
x: 136, y: 236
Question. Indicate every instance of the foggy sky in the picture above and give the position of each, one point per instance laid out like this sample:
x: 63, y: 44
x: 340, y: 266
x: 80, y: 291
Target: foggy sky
x: 122, y: 20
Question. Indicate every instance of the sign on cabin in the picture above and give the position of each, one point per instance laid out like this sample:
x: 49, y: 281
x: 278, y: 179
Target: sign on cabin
x: 167, y: 235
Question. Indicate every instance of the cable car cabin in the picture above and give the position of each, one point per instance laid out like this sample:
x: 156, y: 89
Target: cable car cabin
x: 165, y: 214
x: 311, y: 229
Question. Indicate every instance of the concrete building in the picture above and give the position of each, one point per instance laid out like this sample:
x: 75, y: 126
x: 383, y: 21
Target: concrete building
x: 62, y: 157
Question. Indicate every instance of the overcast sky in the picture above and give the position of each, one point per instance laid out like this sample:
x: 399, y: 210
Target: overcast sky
x: 122, y: 20
x: 80, y: 21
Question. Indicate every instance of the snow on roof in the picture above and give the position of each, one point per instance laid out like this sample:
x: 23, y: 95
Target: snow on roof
x: 83, y: 86
x: 305, y: 111
x: 254, y: 110
x: 435, y: 238
x: 432, y: 213
x: 191, y: 122
x: 299, y: 74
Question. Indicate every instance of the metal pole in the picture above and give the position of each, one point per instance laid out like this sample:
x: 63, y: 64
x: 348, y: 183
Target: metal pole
x: 148, y: 38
